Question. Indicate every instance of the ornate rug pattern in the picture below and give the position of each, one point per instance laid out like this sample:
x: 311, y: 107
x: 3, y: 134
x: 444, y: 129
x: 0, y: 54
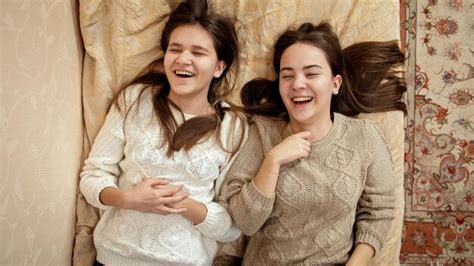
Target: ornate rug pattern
x: 439, y: 142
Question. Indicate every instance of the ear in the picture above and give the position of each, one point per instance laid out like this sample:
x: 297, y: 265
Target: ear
x: 219, y: 69
x: 336, y: 84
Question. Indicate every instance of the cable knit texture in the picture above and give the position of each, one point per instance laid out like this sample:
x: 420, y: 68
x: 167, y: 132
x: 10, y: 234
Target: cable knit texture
x: 126, y: 150
x: 341, y: 194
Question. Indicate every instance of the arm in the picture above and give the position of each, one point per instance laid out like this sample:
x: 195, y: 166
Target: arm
x: 361, y: 255
x: 99, y: 176
x: 101, y: 169
x: 211, y: 218
x: 249, y: 188
x: 292, y: 148
x: 150, y: 195
x: 377, y: 202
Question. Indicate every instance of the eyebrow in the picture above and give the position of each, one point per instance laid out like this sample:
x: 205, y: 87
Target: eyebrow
x: 197, y: 47
x: 304, y: 68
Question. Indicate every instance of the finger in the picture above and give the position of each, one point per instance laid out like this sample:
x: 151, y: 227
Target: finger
x: 303, y: 134
x: 169, y: 191
x: 304, y: 143
x: 164, y: 186
x: 182, y: 192
x: 158, y: 181
x: 169, y: 186
x: 307, y: 148
x: 166, y: 209
x: 173, y: 199
x: 145, y: 178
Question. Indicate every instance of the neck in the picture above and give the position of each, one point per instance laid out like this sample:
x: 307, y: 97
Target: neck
x: 318, y: 128
x: 192, y: 105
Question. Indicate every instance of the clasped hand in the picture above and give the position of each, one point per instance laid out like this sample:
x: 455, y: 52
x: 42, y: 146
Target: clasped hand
x: 156, y: 195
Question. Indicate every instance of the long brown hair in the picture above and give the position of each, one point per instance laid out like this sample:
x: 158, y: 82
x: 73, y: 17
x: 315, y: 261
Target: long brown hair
x: 372, y: 79
x: 224, y: 37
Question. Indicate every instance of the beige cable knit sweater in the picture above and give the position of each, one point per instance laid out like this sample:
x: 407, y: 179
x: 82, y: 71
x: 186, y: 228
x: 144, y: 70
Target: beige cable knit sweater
x: 323, y: 204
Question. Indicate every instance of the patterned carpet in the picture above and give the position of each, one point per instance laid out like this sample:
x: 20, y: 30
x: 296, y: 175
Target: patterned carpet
x: 439, y: 147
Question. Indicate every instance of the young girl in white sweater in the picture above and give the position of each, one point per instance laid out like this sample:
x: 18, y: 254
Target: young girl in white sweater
x: 166, y: 143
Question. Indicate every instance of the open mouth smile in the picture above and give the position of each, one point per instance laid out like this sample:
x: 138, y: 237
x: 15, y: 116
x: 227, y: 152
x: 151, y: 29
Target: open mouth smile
x: 301, y: 99
x: 183, y: 74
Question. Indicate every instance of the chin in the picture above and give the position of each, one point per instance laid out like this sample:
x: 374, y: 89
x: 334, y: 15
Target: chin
x: 299, y: 119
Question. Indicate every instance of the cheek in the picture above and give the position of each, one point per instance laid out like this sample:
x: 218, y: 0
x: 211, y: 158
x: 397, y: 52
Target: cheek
x: 281, y: 91
x: 167, y: 61
x: 283, y: 88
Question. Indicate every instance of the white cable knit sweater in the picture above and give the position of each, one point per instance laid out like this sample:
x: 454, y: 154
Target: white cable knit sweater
x: 126, y: 151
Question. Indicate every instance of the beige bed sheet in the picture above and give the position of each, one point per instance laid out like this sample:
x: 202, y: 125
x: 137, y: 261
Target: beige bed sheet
x: 121, y: 37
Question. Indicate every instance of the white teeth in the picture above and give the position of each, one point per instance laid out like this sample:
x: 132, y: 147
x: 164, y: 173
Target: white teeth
x: 183, y: 73
x: 301, y: 99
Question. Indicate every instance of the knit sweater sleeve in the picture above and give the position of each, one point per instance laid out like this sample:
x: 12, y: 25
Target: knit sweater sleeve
x: 218, y: 224
x: 101, y: 169
x: 377, y: 203
x: 247, y: 205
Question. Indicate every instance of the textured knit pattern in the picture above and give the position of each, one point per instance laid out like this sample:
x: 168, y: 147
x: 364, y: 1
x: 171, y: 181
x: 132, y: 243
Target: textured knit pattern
x: 342, y: 193
x: 127, y: 150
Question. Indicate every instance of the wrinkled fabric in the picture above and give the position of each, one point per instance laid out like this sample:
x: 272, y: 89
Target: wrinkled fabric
x: 122, y: 37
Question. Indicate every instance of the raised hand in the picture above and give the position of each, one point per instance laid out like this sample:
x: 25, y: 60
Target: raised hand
x: 292, y: 148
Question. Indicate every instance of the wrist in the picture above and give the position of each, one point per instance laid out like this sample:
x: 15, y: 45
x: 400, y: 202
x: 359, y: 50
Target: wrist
x: 362, y: 254
x: 271, y: 158
x: 272, y: 161
x: 112, y: 196
x: 196, y: 211
x: 123, y: 199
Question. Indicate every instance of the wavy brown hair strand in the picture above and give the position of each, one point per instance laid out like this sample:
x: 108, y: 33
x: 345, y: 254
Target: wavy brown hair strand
x: 376, y: 78
x: 224, y: 37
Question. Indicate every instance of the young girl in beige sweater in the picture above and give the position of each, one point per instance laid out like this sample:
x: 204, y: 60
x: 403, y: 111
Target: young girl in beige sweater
x: 313, y: 186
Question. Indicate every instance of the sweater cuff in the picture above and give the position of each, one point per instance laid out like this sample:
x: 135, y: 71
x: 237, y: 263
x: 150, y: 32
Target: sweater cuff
x: 255, y: 196
x: 217, y: 224
x: 367, y: 238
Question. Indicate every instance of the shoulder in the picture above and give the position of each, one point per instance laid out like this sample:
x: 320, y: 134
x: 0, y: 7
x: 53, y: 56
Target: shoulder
x: 234, y: 128
x: 361, y: 134
x: 266, y: 124
x: 269, y: 130
x: 134, y: 93
x: 365, y: 132
x: 233, y: 119
x: 359, y: 126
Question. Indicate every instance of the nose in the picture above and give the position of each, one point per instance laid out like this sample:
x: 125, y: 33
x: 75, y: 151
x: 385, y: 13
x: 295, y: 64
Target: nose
x: 184, y: 58
x: 299, y: 82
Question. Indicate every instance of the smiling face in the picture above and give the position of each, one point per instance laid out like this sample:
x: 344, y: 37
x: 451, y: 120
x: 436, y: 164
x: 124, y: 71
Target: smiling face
x: 190, y: 65
x: 307, y: 84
